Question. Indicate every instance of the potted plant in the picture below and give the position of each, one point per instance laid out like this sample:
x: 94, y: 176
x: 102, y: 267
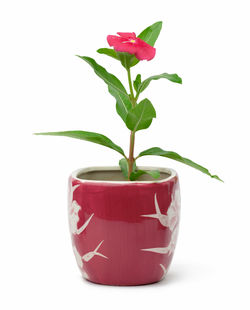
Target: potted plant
x: 124, y: 220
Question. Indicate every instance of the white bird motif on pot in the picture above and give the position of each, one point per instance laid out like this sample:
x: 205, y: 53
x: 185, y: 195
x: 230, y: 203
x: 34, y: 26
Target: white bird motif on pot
x: 88, y: 256
x: 158, y: 215
x: 74, y: 219
x: 165, y: 270
x: 71, y: 192
x: 166, y: 250
x: 171, y: 218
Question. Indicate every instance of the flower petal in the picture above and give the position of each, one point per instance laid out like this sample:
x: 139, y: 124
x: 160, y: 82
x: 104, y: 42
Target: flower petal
x: 145, y: 53
x: 125, y: 47
x: 113, y: 40
x: 127, y: 35
x: 144, y: 50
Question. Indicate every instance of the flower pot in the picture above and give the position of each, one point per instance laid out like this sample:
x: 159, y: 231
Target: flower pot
x: 123, y: 233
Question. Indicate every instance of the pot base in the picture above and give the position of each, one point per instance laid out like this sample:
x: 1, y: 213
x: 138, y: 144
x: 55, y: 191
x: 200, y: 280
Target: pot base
x: 122, y: 284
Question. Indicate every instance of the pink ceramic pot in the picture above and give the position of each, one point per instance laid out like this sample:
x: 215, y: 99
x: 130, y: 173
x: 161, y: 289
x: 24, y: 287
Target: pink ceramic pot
x: 123, y: 233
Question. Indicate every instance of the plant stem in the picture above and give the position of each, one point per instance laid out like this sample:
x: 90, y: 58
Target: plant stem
x: 131, y: 159
x: 137, y: 96
x: 133, y: 101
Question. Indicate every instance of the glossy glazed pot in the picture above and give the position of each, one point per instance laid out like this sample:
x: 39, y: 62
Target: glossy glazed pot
x: 123, y: 233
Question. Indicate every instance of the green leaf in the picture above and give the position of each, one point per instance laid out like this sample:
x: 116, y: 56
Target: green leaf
x: 87, y: 136
x: 149, y: 35
x: 115, y: 87
x: 123, y: 163
x: 137, y: 82
x: 141, y: 116
x: 159, y: 152
x: 135, y: 175
x: 123, y: 104
x: 126, y: 59
x: 134, y: 61
x: 171, y: 77
x: 109, y: 52
x: 108, y: 78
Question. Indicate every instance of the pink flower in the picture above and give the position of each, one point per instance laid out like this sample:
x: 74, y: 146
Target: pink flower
x: 129, y: 43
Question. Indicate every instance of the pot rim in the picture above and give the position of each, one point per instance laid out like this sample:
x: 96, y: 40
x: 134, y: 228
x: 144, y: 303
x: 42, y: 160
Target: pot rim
x: 75, y: 173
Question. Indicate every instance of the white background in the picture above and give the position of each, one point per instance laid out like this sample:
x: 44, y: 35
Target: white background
x: 44, y: 87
